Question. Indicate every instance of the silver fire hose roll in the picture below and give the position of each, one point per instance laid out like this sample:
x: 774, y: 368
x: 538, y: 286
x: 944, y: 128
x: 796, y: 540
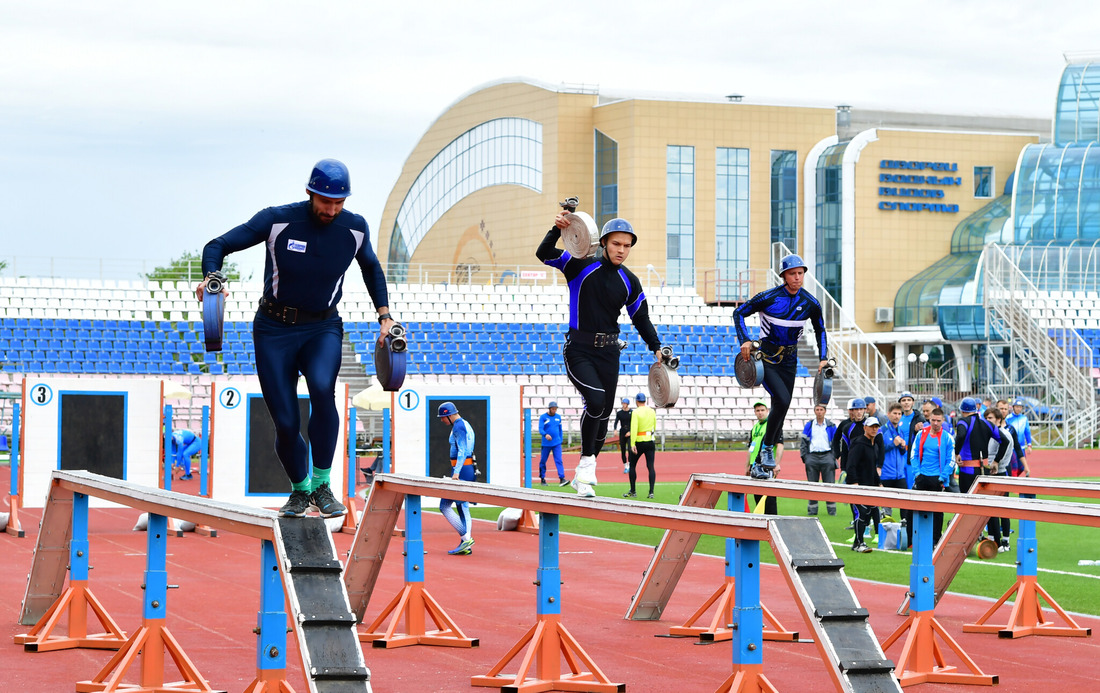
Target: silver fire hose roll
x: 664, y: 381
x: 582, y: 236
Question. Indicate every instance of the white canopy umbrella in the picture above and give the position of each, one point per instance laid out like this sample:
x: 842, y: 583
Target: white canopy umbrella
x: 372, y: 398
x: 174, y: 390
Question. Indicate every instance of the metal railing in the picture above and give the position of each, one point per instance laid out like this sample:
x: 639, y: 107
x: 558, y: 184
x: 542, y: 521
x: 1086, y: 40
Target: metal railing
x: 859, y: 362
x: 1046, y: 358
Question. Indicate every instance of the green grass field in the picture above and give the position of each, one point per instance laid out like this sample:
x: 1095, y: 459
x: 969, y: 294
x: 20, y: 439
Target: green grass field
x: 1075, y: 588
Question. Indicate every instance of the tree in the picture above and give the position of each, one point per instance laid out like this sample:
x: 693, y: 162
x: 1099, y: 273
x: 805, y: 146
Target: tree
x: 188, y: 267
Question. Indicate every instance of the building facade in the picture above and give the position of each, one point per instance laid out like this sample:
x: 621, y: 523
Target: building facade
x: 709, y: 185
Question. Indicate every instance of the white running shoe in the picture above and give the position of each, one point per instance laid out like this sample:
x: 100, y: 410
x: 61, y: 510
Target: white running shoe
x: 586, y: 470
x: 585, y: 491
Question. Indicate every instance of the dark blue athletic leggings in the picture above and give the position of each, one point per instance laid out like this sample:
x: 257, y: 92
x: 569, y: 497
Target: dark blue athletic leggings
x: 779, y: 383
x: 282, y: 352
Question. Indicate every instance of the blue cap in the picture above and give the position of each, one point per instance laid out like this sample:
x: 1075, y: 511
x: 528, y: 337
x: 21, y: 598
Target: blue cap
x: 626, y: 400
x: 857, y: 403
x: 904, y: 395
x: 936, y: 402
x: 1019, y: 402
x: 552, y: 405
x: 869, y: 400
x: 640, y: 396
x: 969, y: 405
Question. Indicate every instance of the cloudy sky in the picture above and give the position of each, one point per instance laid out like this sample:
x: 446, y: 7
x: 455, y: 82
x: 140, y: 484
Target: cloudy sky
x: 135, y: 131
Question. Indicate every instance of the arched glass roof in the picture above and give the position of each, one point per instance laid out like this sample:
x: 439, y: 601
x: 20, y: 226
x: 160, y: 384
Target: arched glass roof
x: 504, y: 151
x: 918, y: 300
x: 1058, y: 193
x: 985, y: 225
x: 1077, y: 113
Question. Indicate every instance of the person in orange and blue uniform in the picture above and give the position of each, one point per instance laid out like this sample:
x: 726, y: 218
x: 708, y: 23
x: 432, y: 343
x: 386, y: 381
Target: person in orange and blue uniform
x: 462, y: 468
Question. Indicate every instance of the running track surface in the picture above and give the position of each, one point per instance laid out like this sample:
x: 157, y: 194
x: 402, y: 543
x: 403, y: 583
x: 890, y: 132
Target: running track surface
x: 491, y: 596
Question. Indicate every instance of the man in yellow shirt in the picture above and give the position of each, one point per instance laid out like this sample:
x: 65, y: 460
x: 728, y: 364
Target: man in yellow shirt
x: 642, y: 424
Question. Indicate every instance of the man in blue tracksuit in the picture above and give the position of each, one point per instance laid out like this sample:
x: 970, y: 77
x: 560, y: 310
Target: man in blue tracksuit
x: 933, y: 453
x: 550, y: 432
x: 462, y: 468
x: 784, y: 312
x: 1018, y: 420
x: 185, y: 444
x: 896, y: 458
x: 309, y: 246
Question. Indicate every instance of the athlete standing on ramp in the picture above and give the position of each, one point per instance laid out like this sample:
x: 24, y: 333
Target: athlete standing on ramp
x: 599, y: 288
x: 310, y: 246
x: 783, y: 311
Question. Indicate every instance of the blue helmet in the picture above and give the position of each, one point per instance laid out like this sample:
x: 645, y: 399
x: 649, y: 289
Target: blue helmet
x: 969, y: 405
x: 618, y: 224
x: 904, y: 395
x: 626, y: 400
x: 790, y: 262
x: 857, y: 403
x: 552, y: 405
x: 640, y: 397
x: 447, y: 409
x: 330, y: 178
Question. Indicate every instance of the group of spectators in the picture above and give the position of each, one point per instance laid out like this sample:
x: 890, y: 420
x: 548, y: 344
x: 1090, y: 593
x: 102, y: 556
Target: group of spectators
x: 924, y: 449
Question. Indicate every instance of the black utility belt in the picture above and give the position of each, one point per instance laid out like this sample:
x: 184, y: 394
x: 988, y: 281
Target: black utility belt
x: 599, y: 340
x: 774, y: 353
x: 289, y: 315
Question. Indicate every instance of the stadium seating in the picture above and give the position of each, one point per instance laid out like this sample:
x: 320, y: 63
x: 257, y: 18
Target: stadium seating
x: 470, y: 334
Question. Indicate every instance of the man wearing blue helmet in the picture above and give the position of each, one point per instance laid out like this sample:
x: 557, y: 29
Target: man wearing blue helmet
x: 309, y: 246
x: 550, y: 428
x: 784, y: 311
x: 599, y: 289
x: 462, y: 468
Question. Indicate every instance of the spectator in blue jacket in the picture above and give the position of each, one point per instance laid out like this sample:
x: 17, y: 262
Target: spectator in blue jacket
x: 550, y: 430
x: 933, y: 454
x: 1018, y: 420
x: 816, y: 450
x: 896, y: 458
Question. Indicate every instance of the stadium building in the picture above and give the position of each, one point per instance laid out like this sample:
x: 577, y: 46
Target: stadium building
x: 953, y: 255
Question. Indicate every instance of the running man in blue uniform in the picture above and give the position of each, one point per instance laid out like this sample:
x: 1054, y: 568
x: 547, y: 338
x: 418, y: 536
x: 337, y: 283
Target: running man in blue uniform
x: 310, y: 246
x: 462, y: 467
x: 599, y: 288
x: 784, y: 311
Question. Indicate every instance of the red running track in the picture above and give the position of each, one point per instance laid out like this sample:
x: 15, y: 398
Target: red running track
x: 491, y: 596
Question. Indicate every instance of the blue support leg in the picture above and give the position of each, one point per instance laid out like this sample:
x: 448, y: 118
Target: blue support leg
x: 169, y: 459
x: 271, y: 621
x: 204, y: 454
x: 386, y: 441
x: 527, y: 448
x: 548, y: 595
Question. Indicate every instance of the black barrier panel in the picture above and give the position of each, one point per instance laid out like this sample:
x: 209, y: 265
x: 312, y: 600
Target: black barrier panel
x: 265, y: 471
x: 476, y: 412
x: 93, y: 433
